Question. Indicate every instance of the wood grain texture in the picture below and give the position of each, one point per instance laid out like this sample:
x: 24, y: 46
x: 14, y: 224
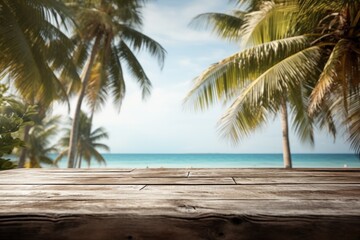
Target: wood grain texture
x: 270, y: 172
x: 183, y: 208
x: 95, y: 227
x: 288, y: 191
x: 180, y: 204
x: 68, y: 180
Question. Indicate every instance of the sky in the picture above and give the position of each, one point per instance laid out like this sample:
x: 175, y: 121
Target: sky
x: 162, y: 124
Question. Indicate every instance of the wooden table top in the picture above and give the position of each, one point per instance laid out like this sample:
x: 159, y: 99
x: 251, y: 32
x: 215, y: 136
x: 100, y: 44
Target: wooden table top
x: 180, y: 204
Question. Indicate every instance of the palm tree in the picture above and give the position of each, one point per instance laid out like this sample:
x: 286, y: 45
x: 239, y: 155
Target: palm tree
x: 262, y: 79
x: 333, y: 28
x: 108, y: 35
x: 301, y: 66
x: 34, y: 51
x: 87, y: 143
x: 39, y: 145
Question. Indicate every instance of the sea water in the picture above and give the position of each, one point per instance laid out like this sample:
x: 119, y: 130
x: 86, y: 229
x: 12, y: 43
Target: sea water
x: 223, y: 161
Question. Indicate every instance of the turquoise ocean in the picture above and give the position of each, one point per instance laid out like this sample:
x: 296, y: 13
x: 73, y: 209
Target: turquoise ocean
x: 224, y: 161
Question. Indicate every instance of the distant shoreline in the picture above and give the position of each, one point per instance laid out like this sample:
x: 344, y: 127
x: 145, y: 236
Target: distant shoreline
x: 218, y: 160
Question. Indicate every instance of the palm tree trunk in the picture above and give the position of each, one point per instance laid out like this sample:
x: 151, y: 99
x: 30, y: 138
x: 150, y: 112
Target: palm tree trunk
x: 22, y: 158
x: 75, y: 124
x: 285, y: 135
x: 80, y: 159
x: 76, y: 158
x: 34, y: 163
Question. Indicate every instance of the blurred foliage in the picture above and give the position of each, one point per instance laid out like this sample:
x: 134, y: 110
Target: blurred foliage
x: 39, y: 145
x: 13, y: 116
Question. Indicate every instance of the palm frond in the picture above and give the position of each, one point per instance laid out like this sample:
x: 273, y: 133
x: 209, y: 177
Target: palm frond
x: 116, y: 77
x: 269, y: 23
x: 135, y: 69
x: 46, y: 160
x: 97, y: 90
x: 98, y: 134
x: 98, y: 157
x: 223, y: 80
x: 60, y: 156
x: 101, y: 146
x: 353, y: 122
x: 298, y: 97
x: 28, y: 46
x: 139, y: 41
x: 247, y: 119
x: 329, y: 75
x: 264, y: 93
x: 226, y: 26
x: 326, y: 119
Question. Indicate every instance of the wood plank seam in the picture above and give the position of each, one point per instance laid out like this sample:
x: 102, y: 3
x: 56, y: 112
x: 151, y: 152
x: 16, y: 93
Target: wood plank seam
x: 143, y: 187
x: 234, y: 180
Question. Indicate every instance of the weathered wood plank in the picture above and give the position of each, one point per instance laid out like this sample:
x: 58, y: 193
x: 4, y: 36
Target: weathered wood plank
x: 184, y: 208
x: 288, y: 191
x: 298, y: 180
x: 123, y: 180
x: 64, y: 175
x: 160, y: 172
x: 163, y: 172
x: 66, y: 170
x: 156, y: 173
x: 116, y: 179
x: 209, y: 172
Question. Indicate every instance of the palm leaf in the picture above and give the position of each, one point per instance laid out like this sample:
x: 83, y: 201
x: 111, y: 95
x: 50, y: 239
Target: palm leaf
x: 116, y: 77
x: 226, y: 26
x: 96, y: 90
x: 265, y: 92
x: 353, y: 122
x: 223, y: 80
x: 139, y: 41
x: 135, y: 69
x: 298, y: 98
x: 269, y: 23
x: 329, y: 75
